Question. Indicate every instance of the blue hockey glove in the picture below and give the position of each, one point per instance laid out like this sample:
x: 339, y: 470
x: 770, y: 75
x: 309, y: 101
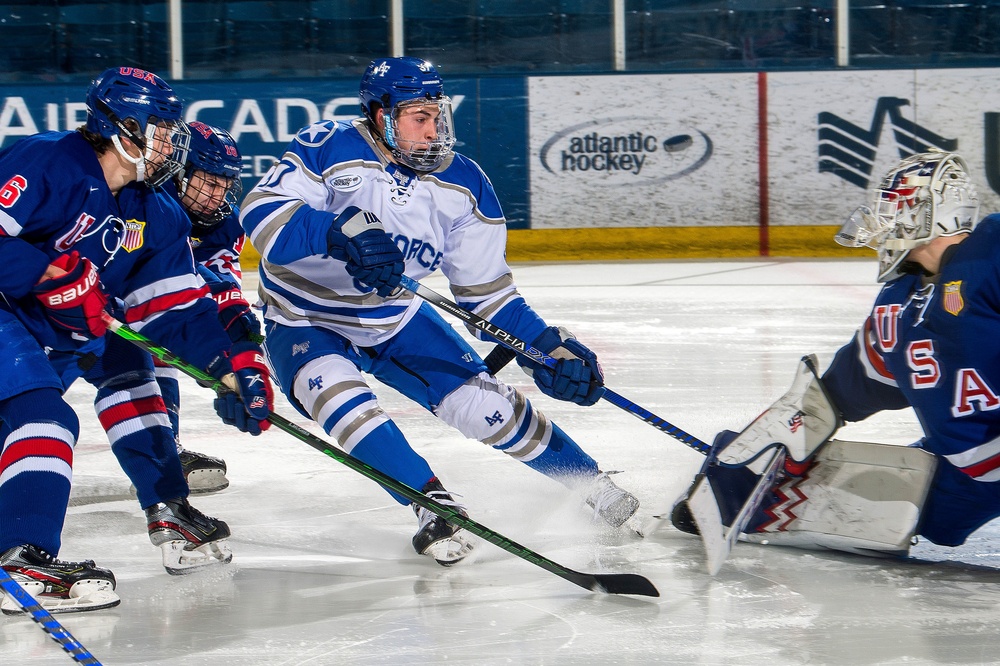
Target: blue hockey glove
x: 249, y: 410
x: 358, y: 238
x: 235, y: 314
x: 577, y: 376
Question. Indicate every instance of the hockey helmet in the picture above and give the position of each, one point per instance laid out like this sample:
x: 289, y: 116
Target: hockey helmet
x: 214, y: 153
x: 121, y: 94
x: 925, y: 196
x: 393, y: 84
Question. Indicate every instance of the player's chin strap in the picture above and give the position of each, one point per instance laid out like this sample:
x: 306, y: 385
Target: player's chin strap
x: 49, y: 624
x: 609, y: 583
x: 524, y: 349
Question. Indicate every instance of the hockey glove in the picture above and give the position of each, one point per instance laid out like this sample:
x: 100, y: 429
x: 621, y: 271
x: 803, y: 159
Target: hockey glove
x: 235, y: 314
x: 249, y: 410
x: 74, y: 301
x: 577, y: 376
x: 358, y: 238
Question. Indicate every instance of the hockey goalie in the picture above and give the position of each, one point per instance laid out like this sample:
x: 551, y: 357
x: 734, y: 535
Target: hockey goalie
x: 930, y: 344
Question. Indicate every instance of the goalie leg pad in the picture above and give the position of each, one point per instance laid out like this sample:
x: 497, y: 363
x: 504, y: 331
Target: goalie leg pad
x: 856, y: 497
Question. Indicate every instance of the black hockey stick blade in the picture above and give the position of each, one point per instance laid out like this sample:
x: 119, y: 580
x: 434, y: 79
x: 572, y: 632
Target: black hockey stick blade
x: 609, y: 583
x: 625, y: 583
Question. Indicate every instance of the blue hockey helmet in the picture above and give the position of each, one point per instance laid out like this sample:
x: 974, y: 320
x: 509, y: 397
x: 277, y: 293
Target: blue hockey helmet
x: 121, y: 94
x: 392, y: 84
x: 212, y: 195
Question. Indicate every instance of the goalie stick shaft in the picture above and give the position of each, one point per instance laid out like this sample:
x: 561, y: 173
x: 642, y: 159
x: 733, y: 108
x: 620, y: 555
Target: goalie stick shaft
x: 49, y: 624
x: 524, y: 349
x: 609, y: 583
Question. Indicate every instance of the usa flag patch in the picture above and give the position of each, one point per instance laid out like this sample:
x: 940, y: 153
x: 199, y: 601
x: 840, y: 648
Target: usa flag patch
x: 133, y: 235
x: 953, y: 302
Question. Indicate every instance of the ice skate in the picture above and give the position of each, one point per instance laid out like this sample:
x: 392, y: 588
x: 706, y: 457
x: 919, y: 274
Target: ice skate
x: 204, y: 474
x: 610, y: 502
x: 436, y: 537
x: 188, y: 539
x: 60, y: 587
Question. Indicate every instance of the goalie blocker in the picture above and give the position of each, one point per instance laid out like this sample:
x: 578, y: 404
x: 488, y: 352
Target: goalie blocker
x: 856, y: 497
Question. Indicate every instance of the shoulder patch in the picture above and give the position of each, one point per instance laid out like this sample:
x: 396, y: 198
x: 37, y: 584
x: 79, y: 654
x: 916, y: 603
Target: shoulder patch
x: 317, y: 133
x: 952, y: 297
x: 133, y: 237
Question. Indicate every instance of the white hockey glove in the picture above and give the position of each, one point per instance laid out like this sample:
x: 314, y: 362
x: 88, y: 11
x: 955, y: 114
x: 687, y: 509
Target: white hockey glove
x: 801, y: 421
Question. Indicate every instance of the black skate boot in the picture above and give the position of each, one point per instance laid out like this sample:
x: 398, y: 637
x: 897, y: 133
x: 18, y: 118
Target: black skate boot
x: 436, y: 537
x: 189, y: 539
x: 60, y: 587
x: 204, y: 474
x: 610, y: 502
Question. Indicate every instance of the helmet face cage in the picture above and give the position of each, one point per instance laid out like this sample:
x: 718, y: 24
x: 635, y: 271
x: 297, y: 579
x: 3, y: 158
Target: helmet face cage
x: 211, y: 187
x: 123, y: 94
x: 173, y: 161
x: 422, y: 155
x: 923, y: 197
x: 393, y: 84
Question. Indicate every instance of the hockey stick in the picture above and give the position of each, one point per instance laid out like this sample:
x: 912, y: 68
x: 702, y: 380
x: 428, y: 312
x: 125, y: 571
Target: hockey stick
x: 524, y: 349
x: 609, y: 583
x: 49, y: 624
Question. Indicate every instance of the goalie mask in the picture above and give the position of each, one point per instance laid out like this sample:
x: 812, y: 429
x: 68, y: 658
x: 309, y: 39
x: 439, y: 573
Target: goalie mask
x: 139, y: 105
x: 409, y: 85
x: 210, y: 186
x: 923, y: 197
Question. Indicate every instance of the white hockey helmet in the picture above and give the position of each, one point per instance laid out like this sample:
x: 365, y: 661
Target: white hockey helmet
x: 923, y: 197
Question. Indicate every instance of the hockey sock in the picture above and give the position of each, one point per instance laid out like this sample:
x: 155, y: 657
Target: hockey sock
x: 385, y: 449
x: 562, y: 459
x: 37, y: 437
x: 166, y: 379
x: 133, y: 414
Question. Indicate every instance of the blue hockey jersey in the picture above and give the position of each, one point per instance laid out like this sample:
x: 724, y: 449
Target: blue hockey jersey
x: 935, y: 346
x: 55, y: 200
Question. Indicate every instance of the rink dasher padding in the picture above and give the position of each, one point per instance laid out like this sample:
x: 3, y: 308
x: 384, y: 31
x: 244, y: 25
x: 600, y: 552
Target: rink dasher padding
x: 642, y: 243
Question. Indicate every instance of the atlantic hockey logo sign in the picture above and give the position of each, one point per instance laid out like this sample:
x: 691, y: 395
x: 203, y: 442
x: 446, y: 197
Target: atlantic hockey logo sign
x: 849, y: 151
x: 631, y: 150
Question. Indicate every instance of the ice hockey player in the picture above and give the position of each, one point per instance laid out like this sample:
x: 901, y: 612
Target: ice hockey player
x: 209, y: 188
x: 349, y: 207
x: 83, y: 229
x: 929, y: 343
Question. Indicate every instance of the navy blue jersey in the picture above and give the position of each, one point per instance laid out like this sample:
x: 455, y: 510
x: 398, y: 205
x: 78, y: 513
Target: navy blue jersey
x: 55, y: 200
x: 935, y: 346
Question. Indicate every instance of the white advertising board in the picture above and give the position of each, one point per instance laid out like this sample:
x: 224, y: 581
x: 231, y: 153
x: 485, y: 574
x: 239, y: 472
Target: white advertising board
x: 832, y: 135
x: 643, y: 150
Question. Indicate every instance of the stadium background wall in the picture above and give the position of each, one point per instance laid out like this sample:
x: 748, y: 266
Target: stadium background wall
x: 668, y: 166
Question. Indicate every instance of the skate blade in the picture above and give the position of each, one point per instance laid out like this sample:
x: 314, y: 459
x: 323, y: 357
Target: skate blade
x: 450, y: 551
x: 204, y: 481
x: 180, y: 559
x: 83, y: 596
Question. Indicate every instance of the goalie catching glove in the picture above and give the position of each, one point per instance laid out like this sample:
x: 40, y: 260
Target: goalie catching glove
x: 248, y: 410
x: 801, y: 421
x: 358, y: 238
x: 74, y: 301
x: 577, y: 376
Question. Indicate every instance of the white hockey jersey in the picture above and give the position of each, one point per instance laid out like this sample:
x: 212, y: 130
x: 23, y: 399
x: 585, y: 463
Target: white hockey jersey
x: 449, y: 219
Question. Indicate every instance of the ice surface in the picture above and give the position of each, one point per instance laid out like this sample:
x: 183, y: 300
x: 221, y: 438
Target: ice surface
x: 324, y: 573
